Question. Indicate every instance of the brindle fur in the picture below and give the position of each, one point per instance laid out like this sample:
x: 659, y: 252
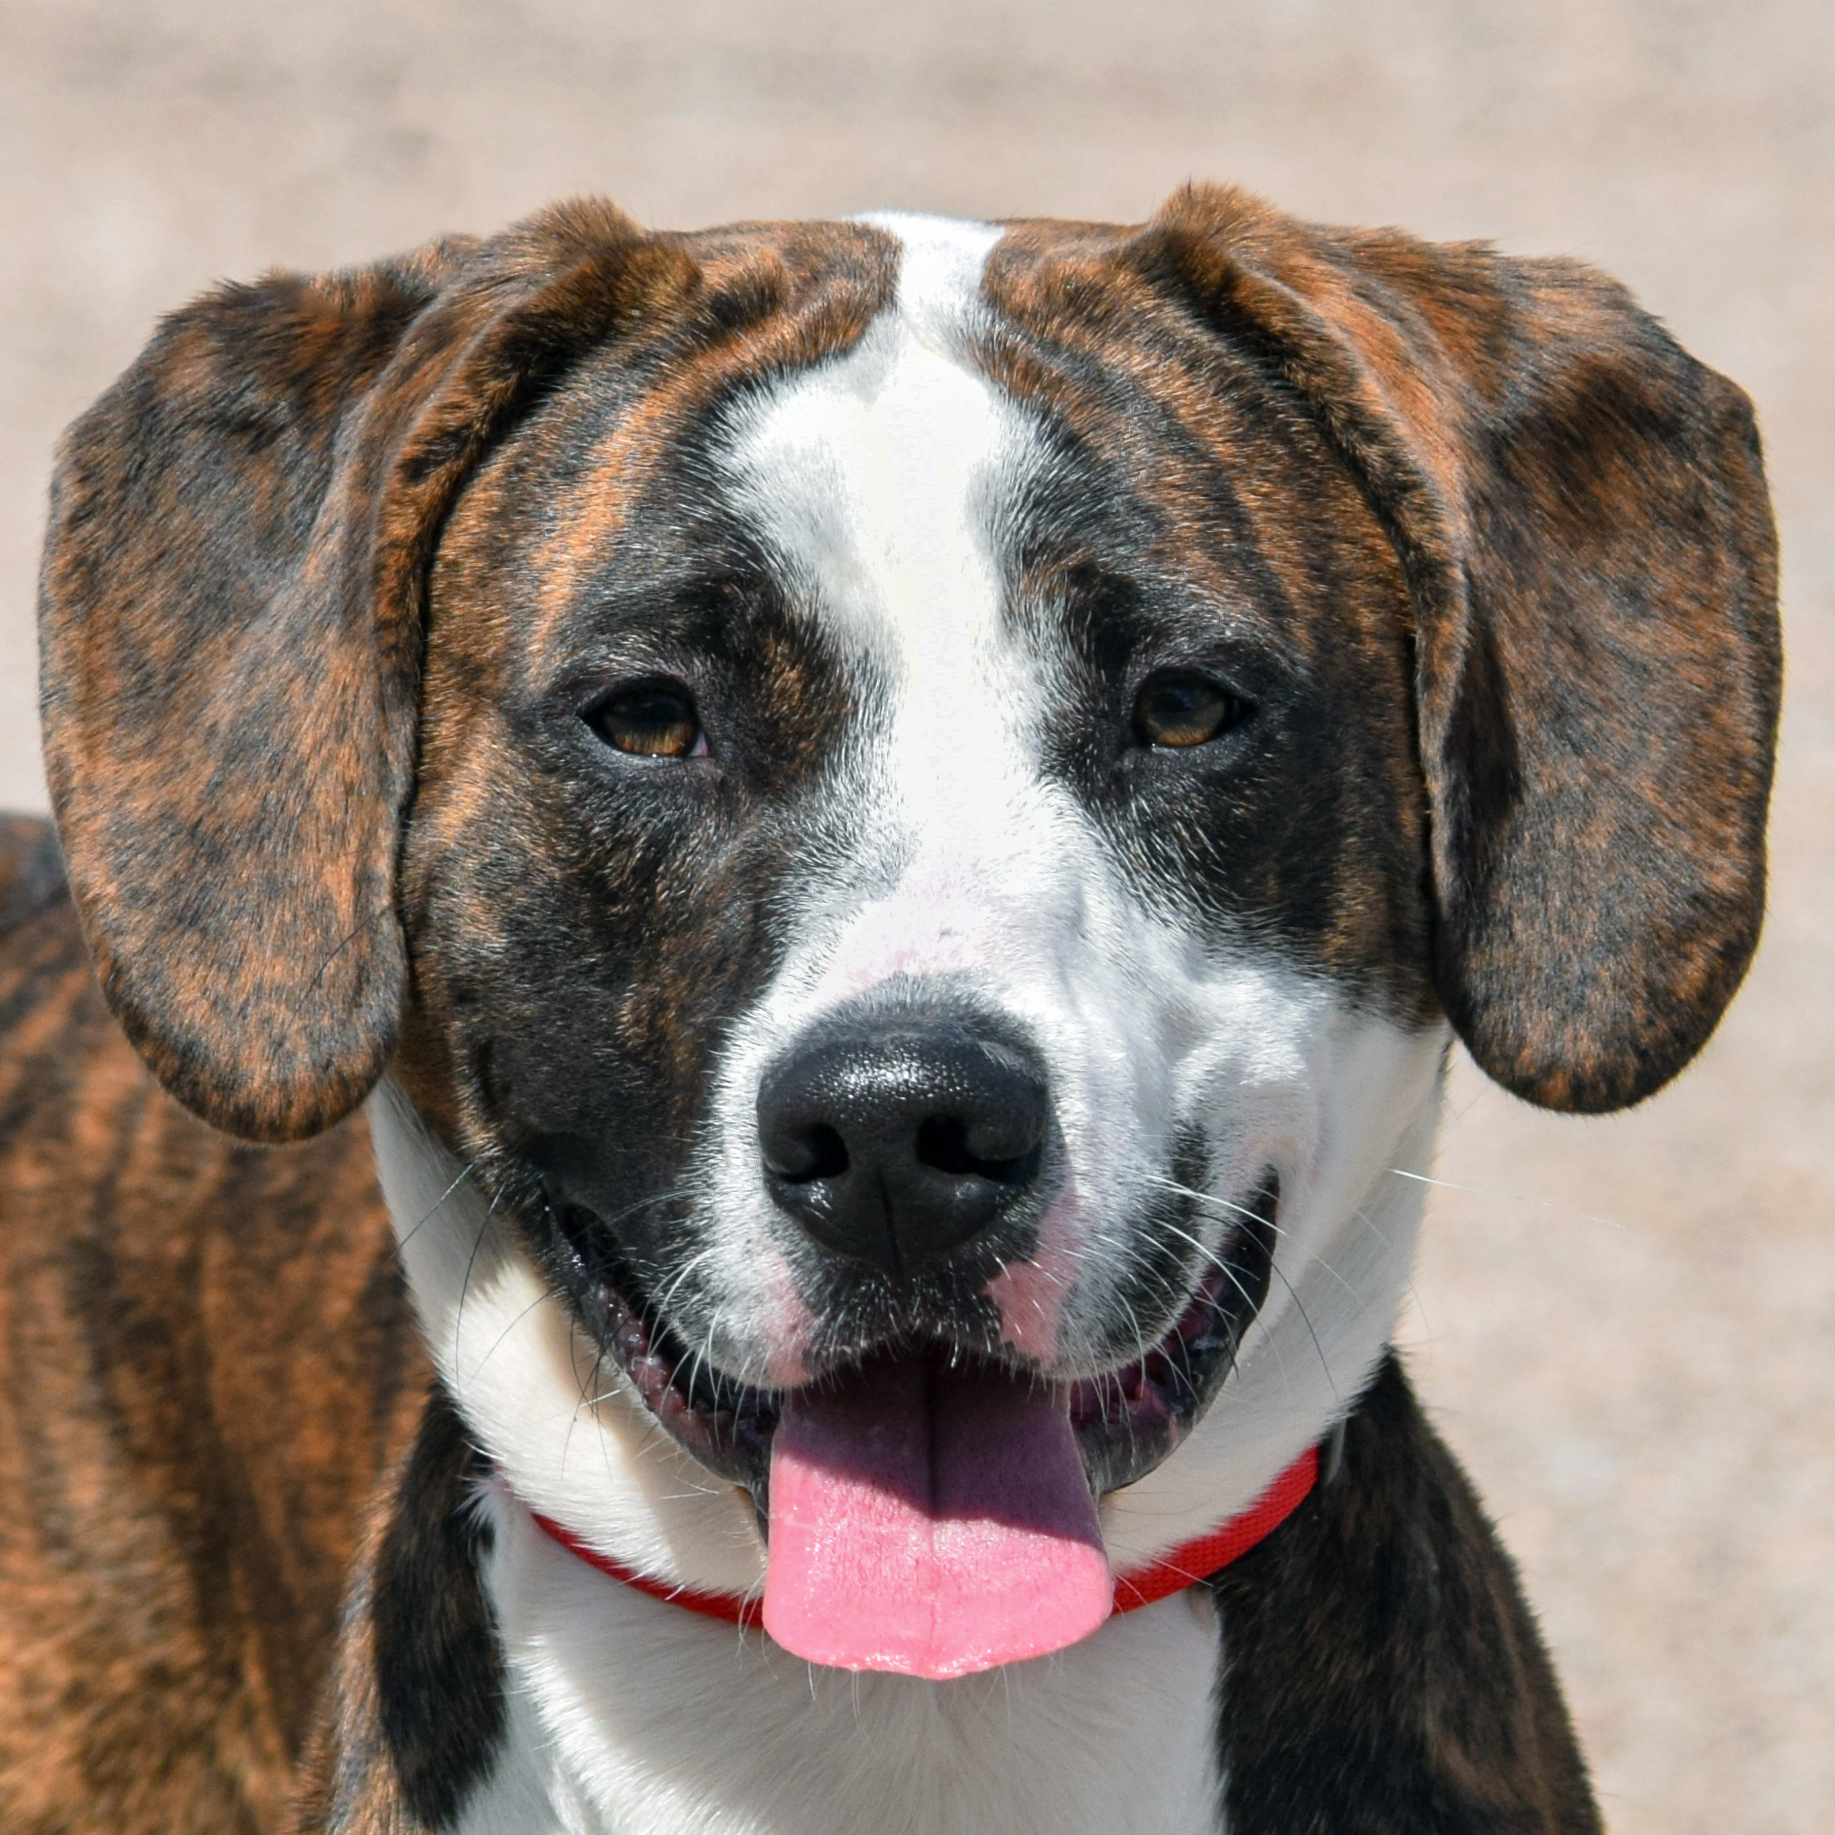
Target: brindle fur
x: 208, y: 1363
x: 275, y: 644
x: 415, y: 1710
x: 1580, y: 511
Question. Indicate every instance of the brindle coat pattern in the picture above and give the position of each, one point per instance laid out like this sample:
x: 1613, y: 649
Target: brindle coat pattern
x: 237, y: 580
x: 268, y: 638
x: 208, y: 1364
x: 415, y: 1707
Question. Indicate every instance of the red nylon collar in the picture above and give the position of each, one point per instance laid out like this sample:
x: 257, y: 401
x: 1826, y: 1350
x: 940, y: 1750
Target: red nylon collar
x: 1184, y: 1566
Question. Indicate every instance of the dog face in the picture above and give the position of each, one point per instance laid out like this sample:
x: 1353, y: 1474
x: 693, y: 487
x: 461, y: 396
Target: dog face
x: 915, y: 796
x: 894, y: 760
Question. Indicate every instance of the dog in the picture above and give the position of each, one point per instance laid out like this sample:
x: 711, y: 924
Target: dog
x: 890, y: 824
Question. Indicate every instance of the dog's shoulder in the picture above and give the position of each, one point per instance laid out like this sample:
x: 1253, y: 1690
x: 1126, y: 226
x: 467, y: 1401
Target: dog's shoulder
x: 44, y: 968
x: 415, y: 1715
x: 1389, y: 1608
x: 204, y: 1363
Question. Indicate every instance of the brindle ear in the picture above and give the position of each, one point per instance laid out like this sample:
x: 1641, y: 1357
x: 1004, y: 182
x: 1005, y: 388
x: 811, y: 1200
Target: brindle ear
x: 1581, y: 512
x: 231, y: 615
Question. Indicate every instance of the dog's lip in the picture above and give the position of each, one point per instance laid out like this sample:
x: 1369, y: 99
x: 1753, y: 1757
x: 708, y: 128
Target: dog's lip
x: 1127, y: 1420
x: 724, y: 1424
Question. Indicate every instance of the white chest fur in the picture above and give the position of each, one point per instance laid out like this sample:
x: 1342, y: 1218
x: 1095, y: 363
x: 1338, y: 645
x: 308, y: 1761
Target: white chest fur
x: 633, y: 1717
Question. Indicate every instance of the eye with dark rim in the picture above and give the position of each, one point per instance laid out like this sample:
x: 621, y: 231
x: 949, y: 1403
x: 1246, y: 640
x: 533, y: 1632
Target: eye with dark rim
x: 1180, y: 708
x: 648, y: 720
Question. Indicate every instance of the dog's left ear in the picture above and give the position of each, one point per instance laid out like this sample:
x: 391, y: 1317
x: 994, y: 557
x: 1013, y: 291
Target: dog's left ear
x: 231, y: 622
x: 1580, y: 509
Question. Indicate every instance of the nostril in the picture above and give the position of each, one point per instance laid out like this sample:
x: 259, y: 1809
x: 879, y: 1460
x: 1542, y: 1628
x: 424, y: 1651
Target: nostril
x: 942, y: 1142
x: 815, y: 1152
x: 943, y: 1145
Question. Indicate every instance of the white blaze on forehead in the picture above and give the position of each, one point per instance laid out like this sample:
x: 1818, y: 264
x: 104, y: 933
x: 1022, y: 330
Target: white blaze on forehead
x: 886, y: 480
x: 871, y: 471
x: 878, y: 477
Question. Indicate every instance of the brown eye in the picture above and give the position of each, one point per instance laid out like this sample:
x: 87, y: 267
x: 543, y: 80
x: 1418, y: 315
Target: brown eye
x: 1186, y: 710
x: 650, y: 722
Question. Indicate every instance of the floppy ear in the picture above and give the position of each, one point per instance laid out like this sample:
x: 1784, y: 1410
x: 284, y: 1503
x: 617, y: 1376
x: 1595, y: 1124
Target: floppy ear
x: 231, y: 616
x: 1581, y: 512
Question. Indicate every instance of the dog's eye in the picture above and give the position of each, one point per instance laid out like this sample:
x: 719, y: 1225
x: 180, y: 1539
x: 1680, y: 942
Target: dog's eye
x: 1183, y: 709
x: 655, y: 720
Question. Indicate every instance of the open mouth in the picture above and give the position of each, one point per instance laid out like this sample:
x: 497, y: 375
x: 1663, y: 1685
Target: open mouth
x: 931, y: 1512
x: 1125, y: 1421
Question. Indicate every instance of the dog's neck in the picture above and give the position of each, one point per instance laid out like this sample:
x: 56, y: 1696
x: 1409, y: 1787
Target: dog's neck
x: 627, y: 1712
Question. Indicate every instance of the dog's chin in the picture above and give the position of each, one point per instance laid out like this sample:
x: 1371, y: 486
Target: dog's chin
x: 1126, y: 1419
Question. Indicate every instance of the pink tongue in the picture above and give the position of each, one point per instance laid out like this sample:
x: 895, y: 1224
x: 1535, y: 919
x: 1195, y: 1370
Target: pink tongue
x: 932, y: 1523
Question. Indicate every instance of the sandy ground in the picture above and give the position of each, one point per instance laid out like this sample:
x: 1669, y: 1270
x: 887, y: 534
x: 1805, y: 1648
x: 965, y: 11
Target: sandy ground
x: 1627, y: 1326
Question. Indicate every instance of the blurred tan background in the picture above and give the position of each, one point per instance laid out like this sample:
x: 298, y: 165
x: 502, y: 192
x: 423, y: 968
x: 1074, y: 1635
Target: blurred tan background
x: 1627, y: 1327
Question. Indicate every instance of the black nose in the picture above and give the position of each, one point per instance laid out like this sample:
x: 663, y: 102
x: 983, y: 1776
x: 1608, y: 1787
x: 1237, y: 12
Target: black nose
x: 896, y: 1137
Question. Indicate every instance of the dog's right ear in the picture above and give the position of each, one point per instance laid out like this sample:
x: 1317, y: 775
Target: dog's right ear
x: 231, y: 617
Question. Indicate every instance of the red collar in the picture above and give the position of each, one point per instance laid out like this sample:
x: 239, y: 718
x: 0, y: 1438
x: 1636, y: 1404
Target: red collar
x: 1184, y: 1566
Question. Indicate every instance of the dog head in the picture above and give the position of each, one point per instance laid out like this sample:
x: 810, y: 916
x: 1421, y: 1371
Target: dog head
x: 910, y: 804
